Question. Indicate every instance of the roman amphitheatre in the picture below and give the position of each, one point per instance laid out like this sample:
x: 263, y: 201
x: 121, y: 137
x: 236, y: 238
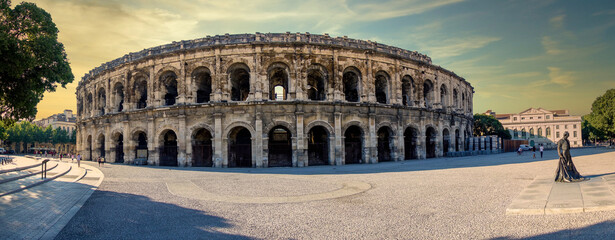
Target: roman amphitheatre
x: 272, y: 100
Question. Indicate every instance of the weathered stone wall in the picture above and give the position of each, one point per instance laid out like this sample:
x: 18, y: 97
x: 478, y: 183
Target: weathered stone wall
x: 111, y: 108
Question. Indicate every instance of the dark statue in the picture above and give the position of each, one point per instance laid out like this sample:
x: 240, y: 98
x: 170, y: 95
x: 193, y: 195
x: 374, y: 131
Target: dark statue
x: 566, y: 172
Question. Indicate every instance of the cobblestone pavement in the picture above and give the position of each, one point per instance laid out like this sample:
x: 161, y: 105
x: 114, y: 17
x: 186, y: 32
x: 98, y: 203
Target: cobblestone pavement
x: 444, y: 198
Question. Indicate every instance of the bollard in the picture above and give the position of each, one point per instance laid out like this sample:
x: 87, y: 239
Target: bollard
x: 44, y: 169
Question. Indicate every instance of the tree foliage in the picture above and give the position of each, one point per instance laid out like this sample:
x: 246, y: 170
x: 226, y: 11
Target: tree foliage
x: 32, y: 60
x: 27, y: 132
x: 589, y: 132
x: 602, y: 117
x: 485, y: 125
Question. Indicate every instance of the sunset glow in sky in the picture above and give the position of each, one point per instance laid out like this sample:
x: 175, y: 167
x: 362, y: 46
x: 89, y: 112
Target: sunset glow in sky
x: 517, y: 54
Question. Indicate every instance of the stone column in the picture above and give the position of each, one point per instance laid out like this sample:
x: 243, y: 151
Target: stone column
x: 300, y: 145
x: 182, y: 160
x: 482, y: 143
x: 129, y: 144
x: 339, y: 150
x: 152, y: 145
x: 257, y: 149
x: 217, y: 157
x: 373, y: 141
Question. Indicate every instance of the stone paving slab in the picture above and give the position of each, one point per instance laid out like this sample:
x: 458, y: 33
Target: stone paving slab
x: 544, y: 196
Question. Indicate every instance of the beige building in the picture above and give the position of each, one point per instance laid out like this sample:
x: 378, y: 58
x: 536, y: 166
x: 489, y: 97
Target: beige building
x: 541, y: 126
x: 66, y: 121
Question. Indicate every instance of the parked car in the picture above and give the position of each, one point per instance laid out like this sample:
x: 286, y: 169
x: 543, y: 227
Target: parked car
x: 2, y: 151
x: 11, y: 151
x: 525, y: 147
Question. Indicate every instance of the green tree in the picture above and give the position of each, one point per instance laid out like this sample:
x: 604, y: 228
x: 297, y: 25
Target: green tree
x: 32, y: 62
x: 73, y: 137
x: 485, y: 125
x: 602, y: 117
x: 589, y: 132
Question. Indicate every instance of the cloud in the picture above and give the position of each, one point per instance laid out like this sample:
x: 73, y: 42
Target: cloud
x: 551, y: 46
x: 560, y: 77
x: 557, y: 21
x: 458, y: 46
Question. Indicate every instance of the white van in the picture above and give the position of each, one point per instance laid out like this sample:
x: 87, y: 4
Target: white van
x: 2, y: 151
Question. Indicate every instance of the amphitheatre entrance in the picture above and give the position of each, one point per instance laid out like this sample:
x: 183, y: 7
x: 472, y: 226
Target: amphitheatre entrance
x: 280, y: 148
x: 168, y: 149
x: 384, y: 144
x: 202, y: 149
x: 410, y: 138
x: 240, y: 148
x: 318, y: 146
x: 353, y: 144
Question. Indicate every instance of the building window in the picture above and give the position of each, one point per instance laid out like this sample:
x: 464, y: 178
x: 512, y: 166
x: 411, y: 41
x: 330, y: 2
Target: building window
x: 565, y: 126
x: 539, y: 131
x: 575, y: 142
x: 515, y: 119
x: 574, y: 126
x: 548, y: 117
x: 531, y: 132
x: 557, y: 134
x: 548, y: 132
x: 531, y: 118
x: 522, y: 118
x: 574, y: 133
x: 539, y: 117
x: 515, y: 133
x: 523, y: 133
x: 556, y: 126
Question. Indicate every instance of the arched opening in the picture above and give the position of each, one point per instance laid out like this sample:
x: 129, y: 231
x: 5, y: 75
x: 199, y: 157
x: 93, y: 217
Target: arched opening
x: 410, y: 139
x: 240, y: 148
x: 457, y: 141
x: 202, y: 151
x: 316, y: 85
x: 169, y: 81
x: 89, y: 103
x: 119, y: 148
x: 202, y: 79
x: 141, y: 151
x: 430, y: 142
x: 540, y: 132
x: 548, y: 132
x: 168, y: 149
x: 455, y: 100
x: 427, y: 93
x: 532, y: 143
x: 444, y: 96
x: 141, y: 93
x: 280, y: 147
x: 406, y: 90
x: 101, y: 146
x: 240, y: 82
x: 384, y: 144
x: 89, y: 149
x: 102, y: 100
x: 278, y: 82
x: 382, y: 87
x: 353, y: 145
x: 318, y: 146
x: 446, y: 141
x: 351, y: 84
x: 118, y: 92
x: 531, y: 132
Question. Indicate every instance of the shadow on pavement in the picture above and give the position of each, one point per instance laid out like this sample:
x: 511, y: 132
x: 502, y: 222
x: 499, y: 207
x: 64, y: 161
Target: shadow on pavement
x: 401, y: 166
x: 112, y: 215
x: 603, y: 230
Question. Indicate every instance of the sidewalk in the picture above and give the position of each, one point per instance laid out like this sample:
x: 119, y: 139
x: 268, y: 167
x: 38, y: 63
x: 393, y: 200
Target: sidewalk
x: 40, y: 212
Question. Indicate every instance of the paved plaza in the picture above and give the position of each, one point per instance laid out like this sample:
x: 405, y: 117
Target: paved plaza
x: 444, y: 198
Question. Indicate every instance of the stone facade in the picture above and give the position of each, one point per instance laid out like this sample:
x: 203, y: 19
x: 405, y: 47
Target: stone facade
x: 265, y: 100
x: 541, y: 126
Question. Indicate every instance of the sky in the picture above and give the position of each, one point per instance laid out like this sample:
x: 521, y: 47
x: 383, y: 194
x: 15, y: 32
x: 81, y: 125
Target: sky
x: 516, y: 54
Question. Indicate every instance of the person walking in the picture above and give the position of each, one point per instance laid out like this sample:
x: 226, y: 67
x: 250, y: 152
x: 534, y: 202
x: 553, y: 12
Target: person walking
x: 534, y: 151
x: 541, y: 149
x: 519, y: 151
x: 78, y: 160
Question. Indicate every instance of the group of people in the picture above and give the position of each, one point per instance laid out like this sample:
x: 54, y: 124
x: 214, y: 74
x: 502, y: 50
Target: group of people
x: 533, y: 149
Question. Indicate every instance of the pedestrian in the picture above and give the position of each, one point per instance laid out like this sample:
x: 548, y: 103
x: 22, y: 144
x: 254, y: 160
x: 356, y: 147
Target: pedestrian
x: 519, y: 151
x: 534, y: 151
x: 72, y: 157
x: 78, y: 160
x: 98, y: 159
x: 60, y: 157
x: 541, y: 149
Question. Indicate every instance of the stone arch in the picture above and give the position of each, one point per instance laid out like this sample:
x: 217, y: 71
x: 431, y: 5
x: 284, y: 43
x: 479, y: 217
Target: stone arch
x: 239, y: 143
x: 202, y: 80
x: 100, y: 144
x: 431, y: 134
x: 287, y: 125
x: 446, y: 140
x: 411, y: 140
x: 168, y: 143
x: 407, y: 88
x: 202, y: 147
x: 318, y: 141
x: 239, y: 81
x: 137, y: 129
x: 354, y: 142
x: 354, y: 122
x: 279, y: 142
x: 139, y: 90
x: 317, y: 84
x: 321, y: 123
x: 118, y: 96
x: 117, y: 150
x: 351, y: 83
x: 169, y: 86
x: 385, y: 139
x: 228, y: 128
x: 101, y: 100
x: 389, y: 125
x: 278, y: 76
x: 164, y: 70
x: 382, y: 82
x: 428, y: 93
x: 444, y: 95
x: 197, y: 126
